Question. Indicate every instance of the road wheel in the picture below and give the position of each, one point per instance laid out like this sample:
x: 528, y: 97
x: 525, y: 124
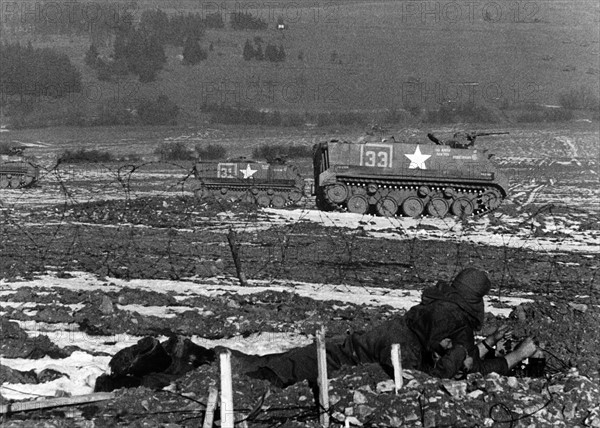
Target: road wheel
x: 437, y: 207
x: 263, y: 200
x: 412, y: 206
x: 202, y: 191
x: 337, y: 193
x: 387, y: 207
x: 15, y: 182
x: 27, y: 180
x: 358, y: 204
x: 462, y: 207
x: 248, y: 198
x: 295, y: 196
x: 278, y: 201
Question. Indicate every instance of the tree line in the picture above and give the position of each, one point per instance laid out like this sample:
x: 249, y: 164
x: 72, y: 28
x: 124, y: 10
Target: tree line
x: 271, y: 53
x: 29, y: 71
x: 101, y: 20
x: 245, y: 21
x: 96, y: 19
x: 174, y: 30
x: 141, y: 50
x: 134, y: 51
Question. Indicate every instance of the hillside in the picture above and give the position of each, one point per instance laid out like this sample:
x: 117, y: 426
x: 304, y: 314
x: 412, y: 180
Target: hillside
x: 368, y: 56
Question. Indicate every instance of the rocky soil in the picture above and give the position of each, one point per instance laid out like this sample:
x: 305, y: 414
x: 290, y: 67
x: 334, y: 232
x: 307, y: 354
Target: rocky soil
x: 540, y: 247
x: 568, y: 394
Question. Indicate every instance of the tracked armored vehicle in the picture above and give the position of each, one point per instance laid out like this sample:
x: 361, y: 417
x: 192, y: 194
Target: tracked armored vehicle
x: 16, y: 171
x: 267, y: 184
x: 391, y: 178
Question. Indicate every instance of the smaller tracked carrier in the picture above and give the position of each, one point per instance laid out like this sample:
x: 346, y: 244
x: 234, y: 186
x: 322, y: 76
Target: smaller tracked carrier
x: 391, y: 178
x: 16, y: 171
x: 274, y: 184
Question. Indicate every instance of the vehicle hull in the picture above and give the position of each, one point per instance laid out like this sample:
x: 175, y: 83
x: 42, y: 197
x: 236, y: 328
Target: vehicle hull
x: 392, y: 178
x: 261, y: 183
x: 17, y: 173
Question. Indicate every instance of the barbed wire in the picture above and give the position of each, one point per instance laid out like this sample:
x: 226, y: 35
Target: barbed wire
x: 346, y: 253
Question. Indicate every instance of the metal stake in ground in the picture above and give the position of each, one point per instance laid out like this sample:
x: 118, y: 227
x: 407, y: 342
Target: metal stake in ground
x: 227, y: 416
x: 234, y: 246
x: 211, y: 404
x: 322, y: 380
x: 397, y: 364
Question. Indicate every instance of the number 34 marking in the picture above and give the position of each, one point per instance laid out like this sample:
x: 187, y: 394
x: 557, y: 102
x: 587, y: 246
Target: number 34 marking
x: 227, y: 170
x: 376, y: 155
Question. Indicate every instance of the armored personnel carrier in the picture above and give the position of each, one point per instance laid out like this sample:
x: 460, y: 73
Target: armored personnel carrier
x: 267, y: 184
x: 391, y: 178
x: 16, y: 171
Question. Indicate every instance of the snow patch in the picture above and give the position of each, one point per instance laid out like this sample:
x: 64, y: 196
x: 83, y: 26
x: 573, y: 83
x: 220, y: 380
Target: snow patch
x: 372, y: 296
x: 81, y: 368
x: 510, y: 233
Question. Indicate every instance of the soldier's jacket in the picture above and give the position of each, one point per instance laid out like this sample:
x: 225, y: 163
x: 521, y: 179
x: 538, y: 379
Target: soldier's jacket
x: 418, y: 332
x: 447, y: 311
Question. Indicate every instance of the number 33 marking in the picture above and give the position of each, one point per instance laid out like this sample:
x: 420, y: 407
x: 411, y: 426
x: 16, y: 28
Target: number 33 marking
x: 379, y: 159
x: 380, y: 156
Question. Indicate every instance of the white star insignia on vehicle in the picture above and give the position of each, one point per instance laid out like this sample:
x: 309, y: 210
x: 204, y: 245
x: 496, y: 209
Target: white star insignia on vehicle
x: 417, y: 159
x: 248, y: 172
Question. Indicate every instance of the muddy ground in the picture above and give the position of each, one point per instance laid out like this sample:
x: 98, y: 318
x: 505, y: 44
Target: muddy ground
x: 87, y: 254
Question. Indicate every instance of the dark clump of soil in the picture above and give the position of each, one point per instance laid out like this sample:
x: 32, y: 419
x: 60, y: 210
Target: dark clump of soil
x: 567, y: 395
x: 180, y: 237
x: 180, y: 211
x: 15, y: 343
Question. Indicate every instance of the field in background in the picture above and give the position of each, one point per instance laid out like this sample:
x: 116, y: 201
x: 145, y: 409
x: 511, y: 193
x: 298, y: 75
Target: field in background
x: 372, y: 56
x: 545, y: 164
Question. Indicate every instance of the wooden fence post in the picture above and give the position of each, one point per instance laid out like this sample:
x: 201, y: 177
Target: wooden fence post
x: 322, y: 380
x: 211, y: 404
x: 227, y: 414
x: 397, y: 364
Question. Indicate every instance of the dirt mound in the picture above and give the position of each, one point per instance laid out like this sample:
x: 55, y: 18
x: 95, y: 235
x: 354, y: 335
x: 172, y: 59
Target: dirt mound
x: 168, y: 211
x: 361, y: 395
x: 566, y: 330
x: 15, y: 343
